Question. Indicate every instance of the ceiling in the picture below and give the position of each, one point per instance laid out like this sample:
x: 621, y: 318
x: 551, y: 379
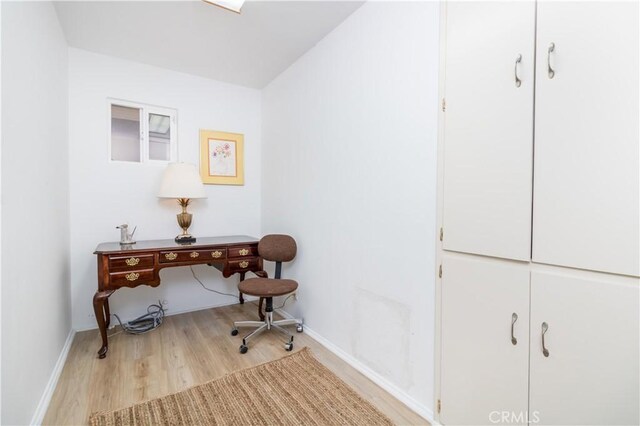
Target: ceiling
x: 194, y: 37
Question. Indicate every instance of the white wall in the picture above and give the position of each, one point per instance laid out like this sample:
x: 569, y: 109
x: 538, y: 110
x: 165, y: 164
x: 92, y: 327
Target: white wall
x: 36, y: 315
x: 349, y: 169
x: 105, y: 194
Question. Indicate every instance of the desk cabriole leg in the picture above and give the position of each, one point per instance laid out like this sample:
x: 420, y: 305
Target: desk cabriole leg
x: 241, y: 297
x: 107, y: 313
x: 99, y: 310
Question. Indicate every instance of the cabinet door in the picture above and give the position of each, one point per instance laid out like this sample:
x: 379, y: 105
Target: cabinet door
x: 488, y: 128
x: 483, y: 374
x: 587, y: 180
x: 591, y: 373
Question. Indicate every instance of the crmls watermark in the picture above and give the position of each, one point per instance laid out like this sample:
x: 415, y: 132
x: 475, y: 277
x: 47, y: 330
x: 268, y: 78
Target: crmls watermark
x: 512, y: 417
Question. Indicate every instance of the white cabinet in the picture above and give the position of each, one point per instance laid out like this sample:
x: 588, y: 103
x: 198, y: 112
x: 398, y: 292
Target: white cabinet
x: 484, y: 372
x: 591, y: 374
x: 568, y: 219
x: 587, y: 150
x: 489, y: 128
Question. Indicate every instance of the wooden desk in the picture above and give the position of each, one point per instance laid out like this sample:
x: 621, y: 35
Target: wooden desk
x: 140, y: 264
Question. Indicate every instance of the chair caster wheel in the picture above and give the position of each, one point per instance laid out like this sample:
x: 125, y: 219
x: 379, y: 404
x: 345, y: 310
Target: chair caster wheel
x: 299, y: 328
x: 234, y: 332
x: 288, y: 347
x: 243, y: 349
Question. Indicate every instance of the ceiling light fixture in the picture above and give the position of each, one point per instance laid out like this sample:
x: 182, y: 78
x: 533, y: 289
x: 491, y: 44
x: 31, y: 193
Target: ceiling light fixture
x: 232, y: 5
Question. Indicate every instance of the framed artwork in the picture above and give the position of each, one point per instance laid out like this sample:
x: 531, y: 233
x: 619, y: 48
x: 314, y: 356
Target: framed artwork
x: 221, y: 157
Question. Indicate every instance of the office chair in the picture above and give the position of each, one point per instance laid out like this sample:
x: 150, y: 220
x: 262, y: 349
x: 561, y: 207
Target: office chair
x: 275, y: 248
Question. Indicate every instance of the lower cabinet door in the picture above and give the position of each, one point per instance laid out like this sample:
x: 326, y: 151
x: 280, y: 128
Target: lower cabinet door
x: 484, y: 364
x: 588, y: 370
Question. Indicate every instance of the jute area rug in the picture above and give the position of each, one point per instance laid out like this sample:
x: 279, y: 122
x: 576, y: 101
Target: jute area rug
x: 293, y: 390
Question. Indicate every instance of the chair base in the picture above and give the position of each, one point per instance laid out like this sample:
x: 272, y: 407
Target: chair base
x: 267, y: 324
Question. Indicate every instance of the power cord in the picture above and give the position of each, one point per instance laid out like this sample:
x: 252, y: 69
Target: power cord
x: 155, y: 313
x: 284, y: 302
x: 193, y: 272
x: 144, y: 323
x: 210, y: 289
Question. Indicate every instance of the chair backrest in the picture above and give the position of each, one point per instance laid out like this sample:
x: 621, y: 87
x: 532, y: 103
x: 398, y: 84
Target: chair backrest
x: 277, y: 248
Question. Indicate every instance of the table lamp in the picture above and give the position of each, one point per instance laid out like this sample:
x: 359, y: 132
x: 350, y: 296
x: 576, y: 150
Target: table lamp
x: 182, y: 181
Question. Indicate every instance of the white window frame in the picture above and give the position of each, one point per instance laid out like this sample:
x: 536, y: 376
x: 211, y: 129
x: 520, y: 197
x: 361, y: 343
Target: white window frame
x: 145, y: 110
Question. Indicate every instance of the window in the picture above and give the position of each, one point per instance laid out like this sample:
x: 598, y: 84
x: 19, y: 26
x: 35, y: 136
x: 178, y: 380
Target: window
x: 141, y: 133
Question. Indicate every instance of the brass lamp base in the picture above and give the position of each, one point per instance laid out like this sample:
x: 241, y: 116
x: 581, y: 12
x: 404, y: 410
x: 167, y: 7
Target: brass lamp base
x: 184, y: 220
x: 185, y: 239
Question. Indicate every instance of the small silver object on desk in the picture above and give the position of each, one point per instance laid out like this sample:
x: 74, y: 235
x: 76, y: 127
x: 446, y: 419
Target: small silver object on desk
x: 126, y: 238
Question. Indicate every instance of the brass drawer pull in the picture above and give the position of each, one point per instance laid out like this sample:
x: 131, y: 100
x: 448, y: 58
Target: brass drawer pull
x: 132, y: 276
x: 171, y: 256
x: 194, y: 254
x: 132, y: 261
x: 243, y: 252
x: 216, y: 254
x: 243, y: 264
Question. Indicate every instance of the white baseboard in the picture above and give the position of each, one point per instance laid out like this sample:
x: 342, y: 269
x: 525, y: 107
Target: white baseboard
x: 169, y: 313
x: 419, y: 408
x: 43, y: 405
x: 247, y: 299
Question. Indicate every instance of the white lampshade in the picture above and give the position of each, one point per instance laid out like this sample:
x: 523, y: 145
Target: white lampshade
x: 181, y: 180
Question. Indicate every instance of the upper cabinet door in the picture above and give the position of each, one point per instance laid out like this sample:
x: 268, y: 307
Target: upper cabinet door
x: 586, y: 150
x: 488, y: 128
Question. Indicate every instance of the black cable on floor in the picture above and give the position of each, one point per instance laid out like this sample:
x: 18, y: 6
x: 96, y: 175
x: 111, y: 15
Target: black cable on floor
x: 144, y: 323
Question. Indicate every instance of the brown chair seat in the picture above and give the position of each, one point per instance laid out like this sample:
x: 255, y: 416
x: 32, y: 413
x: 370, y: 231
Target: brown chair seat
x: 267, y: 287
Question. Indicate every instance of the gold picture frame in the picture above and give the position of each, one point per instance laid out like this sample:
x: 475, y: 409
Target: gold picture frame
x: 221, y: 158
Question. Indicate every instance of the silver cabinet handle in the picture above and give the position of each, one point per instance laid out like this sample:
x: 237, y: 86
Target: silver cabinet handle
x: 550, y: 70
x: 514, y: 318
x: 545, y: 327
x: 518, y: 81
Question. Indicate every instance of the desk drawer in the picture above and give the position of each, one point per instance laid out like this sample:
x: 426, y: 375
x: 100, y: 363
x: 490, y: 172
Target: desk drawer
x: 136, y: 261
x: 242, y: 265
x: 200, y: 256
x: 178, y: 256
x: 243, y: 251
x: 132, y: 278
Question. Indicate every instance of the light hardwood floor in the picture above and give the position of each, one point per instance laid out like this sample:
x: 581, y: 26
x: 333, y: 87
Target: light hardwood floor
x: 187, y: 350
